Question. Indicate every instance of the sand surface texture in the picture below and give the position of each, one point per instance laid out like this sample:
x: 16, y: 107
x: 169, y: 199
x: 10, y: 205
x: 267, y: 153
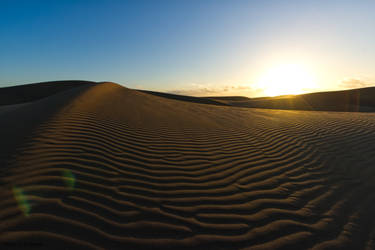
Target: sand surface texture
x: 102, y: 166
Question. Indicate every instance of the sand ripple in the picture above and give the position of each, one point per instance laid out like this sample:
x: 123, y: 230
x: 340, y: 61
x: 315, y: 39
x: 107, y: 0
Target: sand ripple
x: 116, y: 167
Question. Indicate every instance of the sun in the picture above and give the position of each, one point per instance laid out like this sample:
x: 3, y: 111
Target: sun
x: 286, y: 79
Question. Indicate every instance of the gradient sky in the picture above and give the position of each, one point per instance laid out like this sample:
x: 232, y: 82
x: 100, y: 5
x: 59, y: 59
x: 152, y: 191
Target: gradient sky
x: 190, y: 47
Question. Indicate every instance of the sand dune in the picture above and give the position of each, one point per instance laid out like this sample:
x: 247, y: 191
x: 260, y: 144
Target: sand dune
x: 105, y: 167
x: 35, y: 91
x: 203, y: 100
x: 354, y: 100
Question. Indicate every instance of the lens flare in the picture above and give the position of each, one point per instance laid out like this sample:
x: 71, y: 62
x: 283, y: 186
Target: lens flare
x: 69, y: 179
x: 22, y: 201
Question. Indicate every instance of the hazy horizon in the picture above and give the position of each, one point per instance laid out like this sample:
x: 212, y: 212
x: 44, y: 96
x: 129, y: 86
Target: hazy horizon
x: 199, y: 48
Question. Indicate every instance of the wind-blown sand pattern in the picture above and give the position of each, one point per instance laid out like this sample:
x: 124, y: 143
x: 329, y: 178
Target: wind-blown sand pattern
x: 106, y: 167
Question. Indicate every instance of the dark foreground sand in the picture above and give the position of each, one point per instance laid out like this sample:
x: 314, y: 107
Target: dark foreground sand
x: 101, y: 166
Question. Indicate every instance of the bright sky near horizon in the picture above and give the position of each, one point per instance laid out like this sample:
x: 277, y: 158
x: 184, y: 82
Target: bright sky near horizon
x: 203, y: 48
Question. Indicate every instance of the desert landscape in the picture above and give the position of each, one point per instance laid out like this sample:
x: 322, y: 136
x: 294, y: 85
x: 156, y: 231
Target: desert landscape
x: 101, y: 166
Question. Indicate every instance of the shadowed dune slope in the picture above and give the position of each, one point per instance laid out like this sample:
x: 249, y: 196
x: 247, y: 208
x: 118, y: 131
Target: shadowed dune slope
x: 35, y: 91
x: 112, y: 168
x: 362, y: 100
x: 22, y: 108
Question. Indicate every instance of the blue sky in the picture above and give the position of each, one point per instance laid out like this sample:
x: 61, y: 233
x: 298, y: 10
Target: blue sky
x: 190, y: 47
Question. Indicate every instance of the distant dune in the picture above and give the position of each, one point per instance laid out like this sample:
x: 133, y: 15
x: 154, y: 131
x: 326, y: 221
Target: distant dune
x: 361, y: 100
x: 101, y: 166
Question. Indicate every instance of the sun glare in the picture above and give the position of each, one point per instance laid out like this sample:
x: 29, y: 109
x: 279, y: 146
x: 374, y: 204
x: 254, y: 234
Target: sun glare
x: 286, y: 79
